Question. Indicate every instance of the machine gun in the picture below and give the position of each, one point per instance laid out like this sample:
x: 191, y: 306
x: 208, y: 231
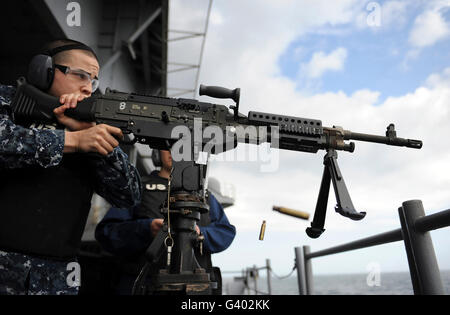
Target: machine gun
x: 152, y: 120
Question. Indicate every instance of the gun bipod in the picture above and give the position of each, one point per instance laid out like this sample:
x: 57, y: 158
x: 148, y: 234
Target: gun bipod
x: 344, y: 205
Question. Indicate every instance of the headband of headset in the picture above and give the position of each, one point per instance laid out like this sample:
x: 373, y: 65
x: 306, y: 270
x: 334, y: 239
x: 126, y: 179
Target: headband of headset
x: 81, y: 46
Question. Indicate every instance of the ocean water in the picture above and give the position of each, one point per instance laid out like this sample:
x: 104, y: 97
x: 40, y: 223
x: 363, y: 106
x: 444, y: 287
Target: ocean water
x: 389, y: 283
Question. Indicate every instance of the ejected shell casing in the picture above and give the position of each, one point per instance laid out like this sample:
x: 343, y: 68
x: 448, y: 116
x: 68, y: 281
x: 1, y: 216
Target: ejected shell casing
x: 291, y: 212
x: 262, y: 231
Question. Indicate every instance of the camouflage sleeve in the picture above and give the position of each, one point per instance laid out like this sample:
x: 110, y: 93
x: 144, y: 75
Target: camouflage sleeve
x: 117, y: 180
x: 21, y: 146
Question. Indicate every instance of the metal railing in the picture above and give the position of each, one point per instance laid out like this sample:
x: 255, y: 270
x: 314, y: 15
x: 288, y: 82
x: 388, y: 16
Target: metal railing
x: 251, y: 274
x: 414, y: 231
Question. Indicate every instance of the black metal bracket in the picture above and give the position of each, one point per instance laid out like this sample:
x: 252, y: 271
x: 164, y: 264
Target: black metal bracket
x: 344, y: 205
x: 157, y: 247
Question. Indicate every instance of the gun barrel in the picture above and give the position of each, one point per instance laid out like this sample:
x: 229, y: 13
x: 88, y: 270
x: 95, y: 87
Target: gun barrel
x: 401, y: 142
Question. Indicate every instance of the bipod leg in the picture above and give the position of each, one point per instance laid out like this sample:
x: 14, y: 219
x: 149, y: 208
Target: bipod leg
x: 318, y: 222
x: 344, y: 202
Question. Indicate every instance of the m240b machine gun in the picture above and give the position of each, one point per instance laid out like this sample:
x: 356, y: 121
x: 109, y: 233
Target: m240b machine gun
x: 152, y: 121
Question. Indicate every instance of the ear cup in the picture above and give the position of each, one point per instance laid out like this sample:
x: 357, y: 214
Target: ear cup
x: 156, y: 158
x: 41, y: 72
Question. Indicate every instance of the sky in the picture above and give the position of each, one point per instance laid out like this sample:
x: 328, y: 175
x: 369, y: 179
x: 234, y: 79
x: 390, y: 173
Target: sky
x: 356, y: 64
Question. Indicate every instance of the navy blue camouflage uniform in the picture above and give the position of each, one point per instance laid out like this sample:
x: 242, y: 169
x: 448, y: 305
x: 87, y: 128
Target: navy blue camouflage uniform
x: 116, y: 180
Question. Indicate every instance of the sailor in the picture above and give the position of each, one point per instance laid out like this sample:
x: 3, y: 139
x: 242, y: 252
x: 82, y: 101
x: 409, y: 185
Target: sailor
x: 128, y: 234
x: 48, y: 177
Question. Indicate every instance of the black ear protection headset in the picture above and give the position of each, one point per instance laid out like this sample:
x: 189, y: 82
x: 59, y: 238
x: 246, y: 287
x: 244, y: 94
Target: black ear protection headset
x: 41, y: 70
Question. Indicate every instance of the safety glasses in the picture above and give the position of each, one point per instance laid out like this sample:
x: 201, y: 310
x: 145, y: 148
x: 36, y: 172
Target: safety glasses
x: 82, y: 75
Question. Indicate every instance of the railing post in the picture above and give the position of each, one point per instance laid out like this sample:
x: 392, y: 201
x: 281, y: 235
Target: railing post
x: 308, y: 271
x: 247, y: 280
x: 423, y: 266
x: 255, y: 270
x: 300, y: 264
x: 269, y: 275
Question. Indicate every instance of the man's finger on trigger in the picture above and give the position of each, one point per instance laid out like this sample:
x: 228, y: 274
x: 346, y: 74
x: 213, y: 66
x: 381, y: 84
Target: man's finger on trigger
x: 115, y: 131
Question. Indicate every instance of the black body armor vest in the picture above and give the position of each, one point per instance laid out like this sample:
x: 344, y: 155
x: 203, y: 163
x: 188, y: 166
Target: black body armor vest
x: 43, y: 211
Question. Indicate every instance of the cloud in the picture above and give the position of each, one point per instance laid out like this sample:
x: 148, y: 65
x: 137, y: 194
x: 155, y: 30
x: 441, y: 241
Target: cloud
x: 394, y: 13
x: 216, y: 18
x: 321, y: 63
x: 439, y: 79
x: 429, y: 28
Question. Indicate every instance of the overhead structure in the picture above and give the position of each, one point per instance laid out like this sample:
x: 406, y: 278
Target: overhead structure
x: 130, y: 38
x: 176, y: 66
x: 133, y: 36
x: 26, y: 26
